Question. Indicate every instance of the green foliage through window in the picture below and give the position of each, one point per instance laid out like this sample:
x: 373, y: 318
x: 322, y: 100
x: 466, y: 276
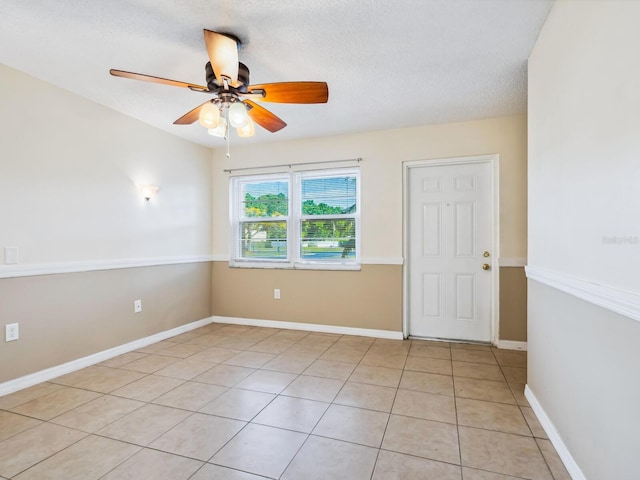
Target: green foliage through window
x: 268, y: 205
x: 322, y: 215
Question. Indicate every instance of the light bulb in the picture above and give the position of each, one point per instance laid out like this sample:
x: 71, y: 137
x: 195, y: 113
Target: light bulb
x: 148, y: 191
x: 220, y: 130
x: 238, y: 116
x: 248, y: 130
x: 209, y: 115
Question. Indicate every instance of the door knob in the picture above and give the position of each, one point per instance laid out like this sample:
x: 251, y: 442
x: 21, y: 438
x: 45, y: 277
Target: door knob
x: 486, y: 266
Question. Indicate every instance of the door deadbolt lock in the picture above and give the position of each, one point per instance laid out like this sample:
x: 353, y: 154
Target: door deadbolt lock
x: 486, y: 266
x: 486, y: 254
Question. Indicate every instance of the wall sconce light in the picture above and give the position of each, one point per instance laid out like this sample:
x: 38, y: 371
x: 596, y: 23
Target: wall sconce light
x: 148, y: 191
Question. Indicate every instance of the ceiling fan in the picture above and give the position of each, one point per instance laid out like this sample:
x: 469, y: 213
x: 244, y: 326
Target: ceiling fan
x: 233, y: 101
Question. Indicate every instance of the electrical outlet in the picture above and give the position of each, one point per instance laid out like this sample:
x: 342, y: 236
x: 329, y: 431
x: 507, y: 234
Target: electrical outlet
x: 276, y: 293
x: 137, y: 306
x: 11, y: 332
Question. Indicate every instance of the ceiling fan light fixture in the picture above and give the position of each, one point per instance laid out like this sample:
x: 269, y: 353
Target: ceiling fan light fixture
x: 209, y: 115
x: 220, y: 130
x: 238, y: 116
x: 228, y: 83
x: 248, y: 130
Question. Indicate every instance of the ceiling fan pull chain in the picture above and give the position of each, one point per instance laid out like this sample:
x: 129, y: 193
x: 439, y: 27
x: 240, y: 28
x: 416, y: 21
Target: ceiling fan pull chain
x: 226, y: 134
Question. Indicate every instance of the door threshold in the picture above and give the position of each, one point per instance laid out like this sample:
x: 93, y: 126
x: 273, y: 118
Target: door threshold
x: 450, y: 340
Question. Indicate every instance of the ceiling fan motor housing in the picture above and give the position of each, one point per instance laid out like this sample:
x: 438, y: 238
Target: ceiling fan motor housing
x: 243, y: 77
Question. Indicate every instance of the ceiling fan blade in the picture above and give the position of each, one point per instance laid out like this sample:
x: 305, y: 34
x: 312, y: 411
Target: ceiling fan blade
x: 152, y: 79
x: 223, y: 55
x: 191, y: 116
x: 264, y: 117
x: 293, y: 92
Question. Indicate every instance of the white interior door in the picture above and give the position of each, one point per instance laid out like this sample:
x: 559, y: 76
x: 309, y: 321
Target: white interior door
x: 449, y: 231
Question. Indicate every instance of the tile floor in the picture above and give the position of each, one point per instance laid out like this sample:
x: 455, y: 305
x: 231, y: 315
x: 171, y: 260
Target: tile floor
x: 230, y: 402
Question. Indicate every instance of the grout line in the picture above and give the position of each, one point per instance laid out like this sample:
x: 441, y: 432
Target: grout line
x: 52, y: 455
x: 194, y: 473
x: 350, y: 346
x: 375, y: 463
x: 455, y: 406
x: 123, y: 461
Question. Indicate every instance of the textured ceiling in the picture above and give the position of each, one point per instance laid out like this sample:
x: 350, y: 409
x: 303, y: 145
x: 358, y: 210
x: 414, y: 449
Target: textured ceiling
x: 388, y: 64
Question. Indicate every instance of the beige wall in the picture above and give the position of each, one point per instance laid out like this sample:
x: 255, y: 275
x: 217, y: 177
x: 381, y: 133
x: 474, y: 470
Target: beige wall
x: 370, y: 298
x: 383, y: 155
x: 65, y: 317
x: 583, y: 131
x: 68, y: 197
x: 584, y: 152
x: 513, y: 304
x: 68, y: 188
x: 583, y: 370
x: 68, y: 201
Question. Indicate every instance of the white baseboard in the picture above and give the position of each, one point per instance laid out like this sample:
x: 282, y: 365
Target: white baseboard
x: 53, y: 372
x: 511, y: 345
x: 570, y: 464
x: 311, y: 327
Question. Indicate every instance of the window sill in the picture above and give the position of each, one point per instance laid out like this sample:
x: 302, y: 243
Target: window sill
x: 296, y: 266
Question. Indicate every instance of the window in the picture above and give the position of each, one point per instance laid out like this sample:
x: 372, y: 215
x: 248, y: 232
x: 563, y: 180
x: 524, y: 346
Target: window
x: 296, y: 220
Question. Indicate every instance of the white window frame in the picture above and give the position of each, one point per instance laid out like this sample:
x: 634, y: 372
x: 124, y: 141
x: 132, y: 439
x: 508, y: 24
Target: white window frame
x: 294, y: 222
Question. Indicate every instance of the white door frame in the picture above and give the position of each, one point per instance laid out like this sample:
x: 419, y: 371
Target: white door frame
x: 493, y: 160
